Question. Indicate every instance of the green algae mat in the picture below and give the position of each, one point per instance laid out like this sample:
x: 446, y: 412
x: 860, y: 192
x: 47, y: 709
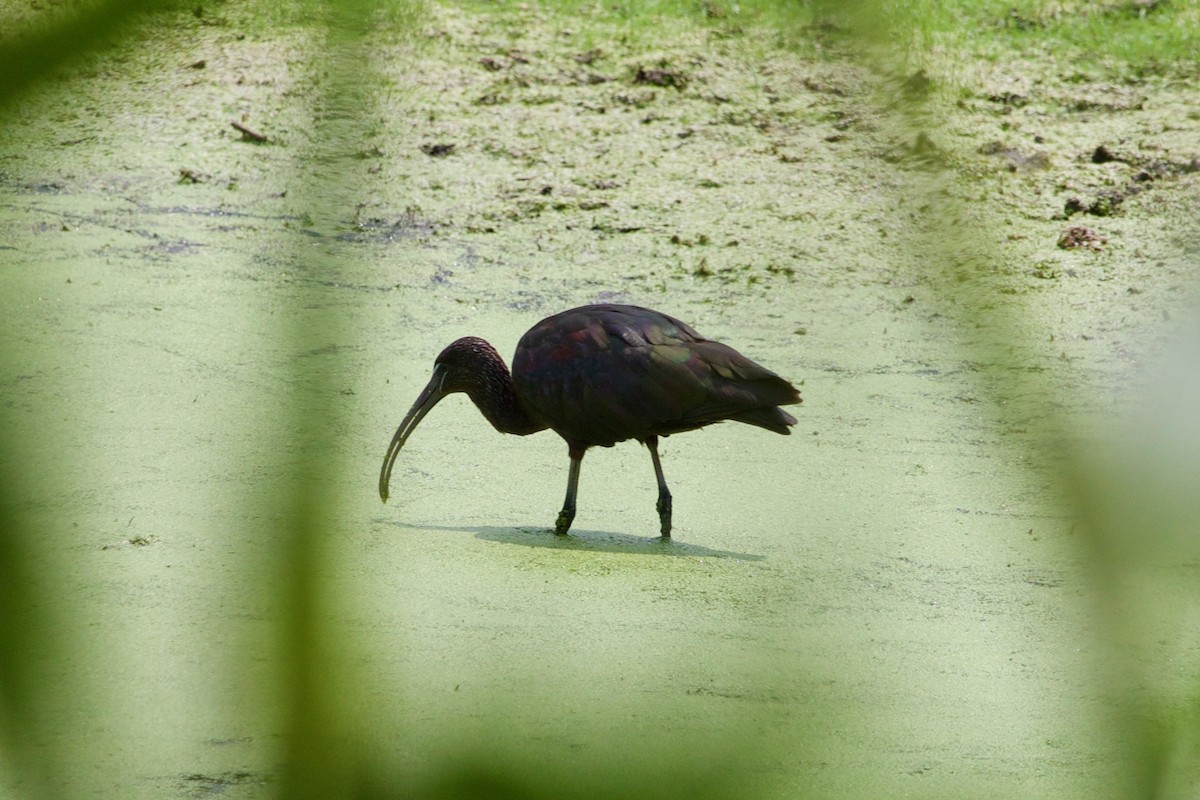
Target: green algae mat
x: 234, y: 238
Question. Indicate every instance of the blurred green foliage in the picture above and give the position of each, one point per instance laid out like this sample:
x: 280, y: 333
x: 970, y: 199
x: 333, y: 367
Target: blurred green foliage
x: 1126, y: 37
x: 34, y: 47
x: 323, y: 755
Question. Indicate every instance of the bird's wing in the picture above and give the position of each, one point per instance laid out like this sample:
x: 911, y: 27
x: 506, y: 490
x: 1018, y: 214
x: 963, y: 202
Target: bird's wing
x: 715, y: 382
x: 612, y: 373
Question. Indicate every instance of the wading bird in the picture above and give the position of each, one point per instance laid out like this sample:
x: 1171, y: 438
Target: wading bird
x: 598, y: 375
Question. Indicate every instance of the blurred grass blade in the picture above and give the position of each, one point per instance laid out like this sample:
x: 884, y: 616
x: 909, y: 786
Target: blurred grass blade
x: 1124, y: 551
x: 27, y: 628
x: 29, y: 617
x: 321, y: 754
x: 32, y: 54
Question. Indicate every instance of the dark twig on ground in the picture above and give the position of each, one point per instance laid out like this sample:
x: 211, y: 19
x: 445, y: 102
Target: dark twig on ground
x: 248, y: 134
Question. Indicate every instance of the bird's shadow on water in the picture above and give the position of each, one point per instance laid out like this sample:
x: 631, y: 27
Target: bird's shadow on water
x: 596, y: 541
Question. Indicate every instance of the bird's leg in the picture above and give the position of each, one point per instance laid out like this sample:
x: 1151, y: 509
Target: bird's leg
x: 664, y: 494
x: 565, y: 517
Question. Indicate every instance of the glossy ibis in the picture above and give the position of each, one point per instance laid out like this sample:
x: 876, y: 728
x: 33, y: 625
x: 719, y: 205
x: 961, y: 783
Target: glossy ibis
x: 598, y: 375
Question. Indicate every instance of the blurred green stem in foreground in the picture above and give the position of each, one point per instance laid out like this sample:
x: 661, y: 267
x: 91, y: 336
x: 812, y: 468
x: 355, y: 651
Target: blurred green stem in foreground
x: 31, y: 617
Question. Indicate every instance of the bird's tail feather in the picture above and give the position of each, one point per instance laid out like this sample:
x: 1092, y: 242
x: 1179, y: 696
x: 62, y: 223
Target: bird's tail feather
x: 773, y: 419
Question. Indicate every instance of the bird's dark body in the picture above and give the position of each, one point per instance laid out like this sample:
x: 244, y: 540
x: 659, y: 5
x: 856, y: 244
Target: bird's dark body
x: 602, y: 374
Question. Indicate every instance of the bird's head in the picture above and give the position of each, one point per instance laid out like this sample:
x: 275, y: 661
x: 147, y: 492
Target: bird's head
x: 463, y: 364
x: 461, y: 367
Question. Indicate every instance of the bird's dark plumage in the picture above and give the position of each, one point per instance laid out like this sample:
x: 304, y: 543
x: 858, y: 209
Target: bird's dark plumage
x: 601, y: 374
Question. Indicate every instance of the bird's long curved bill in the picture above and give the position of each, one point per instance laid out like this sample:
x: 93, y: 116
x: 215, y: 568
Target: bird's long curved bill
x: 429, y: 398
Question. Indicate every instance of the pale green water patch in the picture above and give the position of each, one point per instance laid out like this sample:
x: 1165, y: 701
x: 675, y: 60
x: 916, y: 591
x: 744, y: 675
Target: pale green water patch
x: 891, y: 598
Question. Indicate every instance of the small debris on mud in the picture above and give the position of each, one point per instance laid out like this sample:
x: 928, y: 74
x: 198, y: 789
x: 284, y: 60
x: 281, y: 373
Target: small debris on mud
x: 1011, y: 99
x: 1081, y: 237
x: 1016, y: 160
x: 133, y: 541
x: 1109, y: 203
x: 439, y: 150
x: 603, y: 227
x: 192, y: 176
x: 1110, y: 102
x: 590, y: 56
x: 1102, y: 155
x: 660, y: 77
x: 824, y: 87
x: 249, y: 135
x: 787, y: 272
x: 384, y: 231
x: 1106, y: 204
x: 637, y: 99
x: 1044, y: 272
x: 1166, y: 169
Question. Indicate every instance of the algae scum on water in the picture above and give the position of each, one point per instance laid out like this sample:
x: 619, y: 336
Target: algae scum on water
x: 233, y: 241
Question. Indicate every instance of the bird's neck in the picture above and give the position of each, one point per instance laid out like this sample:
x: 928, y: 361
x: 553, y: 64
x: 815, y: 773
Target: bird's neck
x: 496, y: 398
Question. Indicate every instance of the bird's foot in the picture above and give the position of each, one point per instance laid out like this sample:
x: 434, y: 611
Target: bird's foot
x: 563, y: 523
